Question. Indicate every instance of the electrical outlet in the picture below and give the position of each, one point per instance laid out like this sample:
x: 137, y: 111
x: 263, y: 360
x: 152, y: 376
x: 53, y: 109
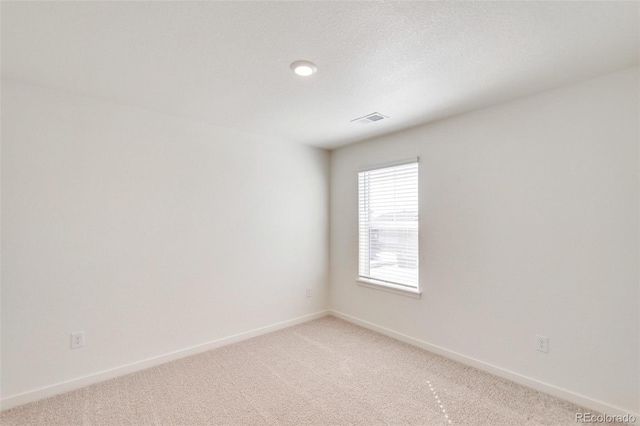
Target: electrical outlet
x: 542, y: 343
x: 308, y: 292
x: 77, y: 340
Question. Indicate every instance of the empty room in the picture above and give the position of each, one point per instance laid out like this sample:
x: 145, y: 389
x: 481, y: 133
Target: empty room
x: 320, y: 213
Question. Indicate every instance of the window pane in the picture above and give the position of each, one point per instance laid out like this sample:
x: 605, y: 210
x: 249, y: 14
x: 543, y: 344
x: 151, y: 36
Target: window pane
x: 388, y: 224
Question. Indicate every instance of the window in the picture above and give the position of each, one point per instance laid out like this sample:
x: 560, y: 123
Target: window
x: 388, y: 226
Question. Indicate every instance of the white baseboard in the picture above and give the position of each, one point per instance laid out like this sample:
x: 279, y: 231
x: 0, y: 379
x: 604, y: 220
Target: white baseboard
x: 567, y: 395
x: 58, y: 388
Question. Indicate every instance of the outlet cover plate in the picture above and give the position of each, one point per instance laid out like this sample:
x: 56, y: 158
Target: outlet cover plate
x: 542, y: 343
x: 77, y: 340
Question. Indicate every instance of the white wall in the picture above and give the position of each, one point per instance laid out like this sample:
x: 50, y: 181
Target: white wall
x: 150, y: 233
x: 153, y: 234
x: 528, y: 225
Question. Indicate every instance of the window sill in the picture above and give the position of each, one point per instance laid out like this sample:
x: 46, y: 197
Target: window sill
x: 389, y: 288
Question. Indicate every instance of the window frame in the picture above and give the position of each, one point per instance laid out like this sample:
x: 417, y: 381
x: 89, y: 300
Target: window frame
x: 380, y: 284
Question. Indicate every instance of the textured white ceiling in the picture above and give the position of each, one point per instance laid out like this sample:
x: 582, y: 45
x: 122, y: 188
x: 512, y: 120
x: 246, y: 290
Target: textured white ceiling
x: 227, y: 63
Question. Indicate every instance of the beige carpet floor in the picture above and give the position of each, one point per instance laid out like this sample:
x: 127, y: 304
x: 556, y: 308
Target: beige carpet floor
x: 323, y: 372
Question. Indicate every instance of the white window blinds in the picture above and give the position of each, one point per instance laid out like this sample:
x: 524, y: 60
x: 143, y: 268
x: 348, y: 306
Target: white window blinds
x: 388, y: 225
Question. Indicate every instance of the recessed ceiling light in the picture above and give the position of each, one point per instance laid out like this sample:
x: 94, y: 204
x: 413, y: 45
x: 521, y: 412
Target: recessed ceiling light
x: 304, y: 68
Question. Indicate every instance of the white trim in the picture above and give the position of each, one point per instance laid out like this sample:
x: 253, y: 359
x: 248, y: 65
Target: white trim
x: 391, y: 164
x: 73, y: 384
x: 389, y: 288
x: 552, y: 390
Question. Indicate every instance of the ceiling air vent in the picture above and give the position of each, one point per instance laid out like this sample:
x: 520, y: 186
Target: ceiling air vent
x: 376, y: 116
